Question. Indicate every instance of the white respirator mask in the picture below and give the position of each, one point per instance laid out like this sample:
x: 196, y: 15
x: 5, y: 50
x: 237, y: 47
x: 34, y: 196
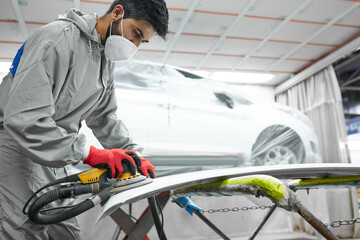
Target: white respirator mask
x: 117, y: 47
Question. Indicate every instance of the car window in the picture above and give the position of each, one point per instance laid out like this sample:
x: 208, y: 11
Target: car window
x: 188, y: 74
x: 165, y: 71
x: 225, y: 98
x: 235, y: 96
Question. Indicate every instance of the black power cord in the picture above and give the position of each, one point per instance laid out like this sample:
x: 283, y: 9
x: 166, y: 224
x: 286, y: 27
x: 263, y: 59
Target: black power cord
x: 154, y: 205
x: 162, y: 217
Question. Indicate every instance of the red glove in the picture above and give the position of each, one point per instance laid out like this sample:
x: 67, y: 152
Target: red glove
x: 146, y: 168
x: 113, y: 160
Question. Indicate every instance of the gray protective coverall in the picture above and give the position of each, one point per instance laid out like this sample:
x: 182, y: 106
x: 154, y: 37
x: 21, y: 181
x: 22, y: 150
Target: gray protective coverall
x: 63, y: 78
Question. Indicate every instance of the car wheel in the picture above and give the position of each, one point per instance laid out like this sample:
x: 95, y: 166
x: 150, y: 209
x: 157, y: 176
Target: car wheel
x: 279, y: 155
x: 277, y: 145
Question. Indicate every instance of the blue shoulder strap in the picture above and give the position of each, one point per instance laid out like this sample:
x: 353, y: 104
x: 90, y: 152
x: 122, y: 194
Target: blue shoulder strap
x: 16, y: 60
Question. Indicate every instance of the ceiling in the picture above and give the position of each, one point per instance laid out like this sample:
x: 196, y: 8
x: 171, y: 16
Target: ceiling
x: 282, y: 37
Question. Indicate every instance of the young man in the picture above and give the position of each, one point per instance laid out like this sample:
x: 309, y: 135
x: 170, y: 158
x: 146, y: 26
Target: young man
x: 62, y: 75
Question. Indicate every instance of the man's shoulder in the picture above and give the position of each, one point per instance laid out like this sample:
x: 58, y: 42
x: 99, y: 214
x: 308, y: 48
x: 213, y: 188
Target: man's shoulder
x: 53, y: 32
x: 56, y: 27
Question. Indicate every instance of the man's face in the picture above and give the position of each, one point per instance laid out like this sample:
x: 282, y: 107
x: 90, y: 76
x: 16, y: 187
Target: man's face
x: 136, y: 31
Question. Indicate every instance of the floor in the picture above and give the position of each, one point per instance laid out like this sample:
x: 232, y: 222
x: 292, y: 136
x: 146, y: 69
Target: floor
x: 286, y: 236
x: 280, y: 236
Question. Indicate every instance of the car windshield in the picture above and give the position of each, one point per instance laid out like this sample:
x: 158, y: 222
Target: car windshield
x: 140, y: 75
x: 222, y: 90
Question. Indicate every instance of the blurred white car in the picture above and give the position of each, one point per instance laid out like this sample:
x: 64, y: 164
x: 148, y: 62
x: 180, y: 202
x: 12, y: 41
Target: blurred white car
x: 187, y: 123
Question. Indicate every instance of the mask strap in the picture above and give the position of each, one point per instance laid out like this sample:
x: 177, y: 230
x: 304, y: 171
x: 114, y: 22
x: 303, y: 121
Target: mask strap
x: 122, y: 17
x: 111, y: 27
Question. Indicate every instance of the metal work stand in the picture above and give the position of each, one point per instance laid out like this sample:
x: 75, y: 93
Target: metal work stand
x: 309, y: 217
x: 139, y: 229
x: 210, y: 224
x: 263, y: 222
x: 258, y: 185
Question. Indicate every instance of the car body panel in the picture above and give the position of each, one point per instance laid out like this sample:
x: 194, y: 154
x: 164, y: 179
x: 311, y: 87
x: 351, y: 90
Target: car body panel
x: 189, y: 124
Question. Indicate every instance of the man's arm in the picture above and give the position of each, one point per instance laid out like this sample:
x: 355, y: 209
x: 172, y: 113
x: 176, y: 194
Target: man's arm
x: 110, y: 131
x: 28, y: 114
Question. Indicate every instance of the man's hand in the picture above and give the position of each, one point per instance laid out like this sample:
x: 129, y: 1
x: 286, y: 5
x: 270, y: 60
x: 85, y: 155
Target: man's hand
x: 146, y: 168
x: 113, y: 159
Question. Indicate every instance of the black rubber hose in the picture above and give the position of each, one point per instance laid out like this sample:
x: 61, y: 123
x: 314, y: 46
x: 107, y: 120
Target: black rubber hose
x: 49, y: 197
x: 61, y: 193
x: 72, y: 178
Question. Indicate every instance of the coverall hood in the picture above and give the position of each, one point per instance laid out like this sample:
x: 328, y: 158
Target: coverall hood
x: 85, y: 22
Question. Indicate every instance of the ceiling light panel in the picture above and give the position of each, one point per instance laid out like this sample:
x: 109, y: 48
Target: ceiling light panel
x: 311, y: 52
x: 283, y: 8
x: 183, y: 4
x: 12, y: 30
x: 96, y: 7
x: 157, y: 43
x: 7, y: 11
x: 183, y: 60
x: 148, y: 56
x: 290, y: 66
x: 226, y: 6
x: 4, y: 67
x: 315, y: 11
x: 210, y: 23
x: 236, y: 46
x: 335, y: 35
x: 197, y: 44
x: 175, y: 18
x: 274, y: 49
x: 215, y: 61
x: 353, y: 18
x: 47, y: 11
x: 8, y: 51
x: 254, y: 28
x: 256, y: 64
x: 295, y: 31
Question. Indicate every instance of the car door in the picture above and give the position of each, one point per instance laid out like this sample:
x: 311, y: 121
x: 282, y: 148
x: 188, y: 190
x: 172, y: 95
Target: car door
x: 193, y: 126
x: 132, y: 111
x: 132, y: 93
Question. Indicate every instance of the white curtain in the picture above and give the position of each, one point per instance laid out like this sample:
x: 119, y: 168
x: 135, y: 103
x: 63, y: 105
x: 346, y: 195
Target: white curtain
x: 319, y: 97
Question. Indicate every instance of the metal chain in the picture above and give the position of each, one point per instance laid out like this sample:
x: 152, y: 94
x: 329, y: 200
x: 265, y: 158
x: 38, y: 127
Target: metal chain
x: 235, y: 209
x: 334, y: 224
x: 339, y: 223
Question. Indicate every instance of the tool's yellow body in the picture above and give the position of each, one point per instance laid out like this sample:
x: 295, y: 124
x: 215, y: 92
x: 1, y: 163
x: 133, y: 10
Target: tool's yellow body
x: 96, y: 174
x: 92, y: 175
x: 128, y: 176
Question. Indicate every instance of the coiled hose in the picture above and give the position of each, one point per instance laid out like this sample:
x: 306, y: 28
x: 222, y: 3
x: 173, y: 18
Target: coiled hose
x: 62, y: 192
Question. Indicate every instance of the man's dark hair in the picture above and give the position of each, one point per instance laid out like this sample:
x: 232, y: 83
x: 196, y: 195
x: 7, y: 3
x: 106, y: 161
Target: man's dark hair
x: 152, y: 11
